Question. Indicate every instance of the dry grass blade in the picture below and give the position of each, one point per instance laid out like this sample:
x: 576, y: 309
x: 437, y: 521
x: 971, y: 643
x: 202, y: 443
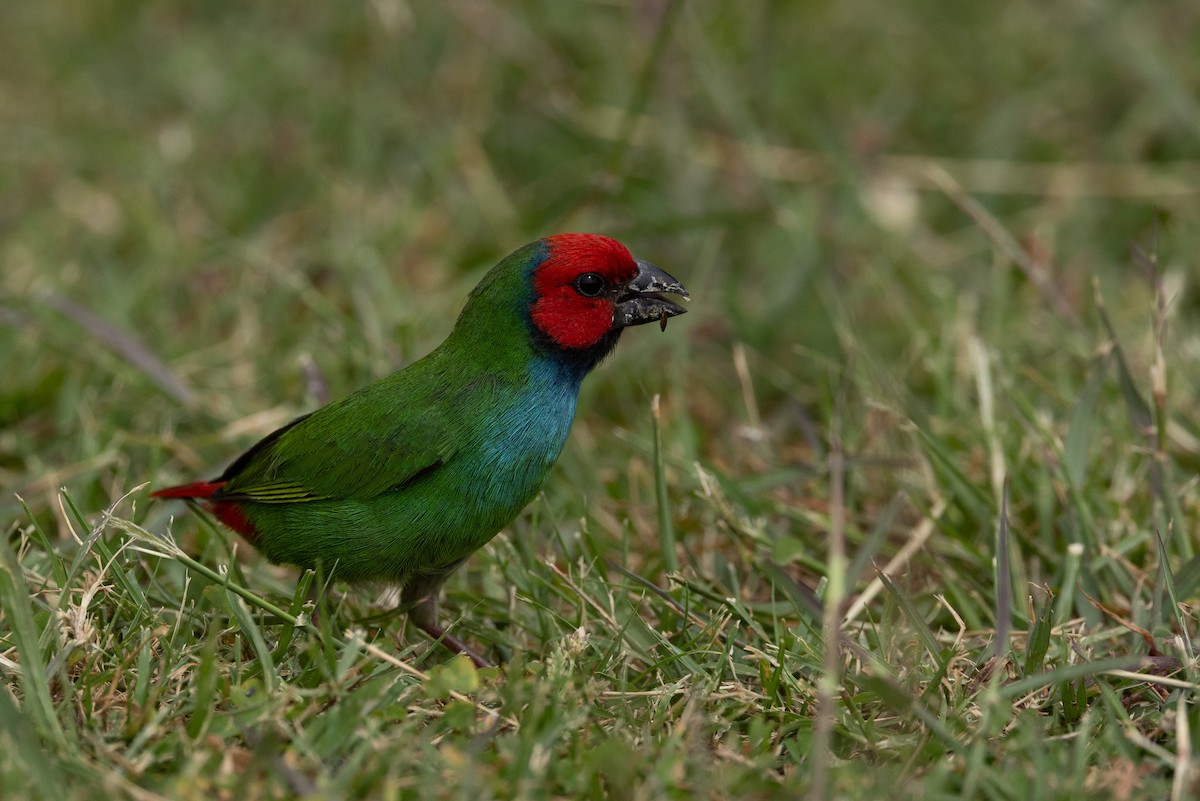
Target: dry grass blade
x: 124, y: 344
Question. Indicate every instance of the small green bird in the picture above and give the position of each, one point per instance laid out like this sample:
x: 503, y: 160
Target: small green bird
x: 402, y: 480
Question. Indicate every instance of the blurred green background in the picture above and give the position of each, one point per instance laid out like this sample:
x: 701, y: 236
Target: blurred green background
x: 894, y: 221
x: 241, y: 186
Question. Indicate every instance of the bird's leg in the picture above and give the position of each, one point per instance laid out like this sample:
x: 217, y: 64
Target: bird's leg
x: 424, y: 617
x: 420, y: 596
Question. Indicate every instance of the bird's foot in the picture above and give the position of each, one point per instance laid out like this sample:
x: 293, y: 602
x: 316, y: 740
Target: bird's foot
x: 447, y: 639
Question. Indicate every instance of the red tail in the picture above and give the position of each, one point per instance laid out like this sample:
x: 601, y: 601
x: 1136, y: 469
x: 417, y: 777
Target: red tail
x: 197, y: 489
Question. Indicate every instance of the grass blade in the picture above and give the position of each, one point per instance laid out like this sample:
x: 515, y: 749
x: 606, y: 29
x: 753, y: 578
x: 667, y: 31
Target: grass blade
x: 15, y: 600
x: 666, y: 527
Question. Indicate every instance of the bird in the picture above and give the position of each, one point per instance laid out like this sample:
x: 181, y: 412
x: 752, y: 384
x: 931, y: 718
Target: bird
x: 402, y: 480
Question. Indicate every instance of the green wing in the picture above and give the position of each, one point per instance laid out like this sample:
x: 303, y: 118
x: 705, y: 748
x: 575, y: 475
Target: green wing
x: 382, y: 438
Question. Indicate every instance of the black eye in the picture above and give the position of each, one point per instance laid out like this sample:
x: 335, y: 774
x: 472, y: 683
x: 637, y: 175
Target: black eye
x: 590, y: 285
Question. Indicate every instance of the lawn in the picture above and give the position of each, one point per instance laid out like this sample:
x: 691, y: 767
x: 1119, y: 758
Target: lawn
x: 904, y: 507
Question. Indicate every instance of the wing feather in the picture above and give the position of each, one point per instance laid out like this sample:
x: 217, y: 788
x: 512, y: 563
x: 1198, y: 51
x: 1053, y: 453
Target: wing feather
x: 384, y: 437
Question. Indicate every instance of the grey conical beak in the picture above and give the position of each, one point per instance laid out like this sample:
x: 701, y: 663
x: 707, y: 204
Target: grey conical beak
x: 640, y: 301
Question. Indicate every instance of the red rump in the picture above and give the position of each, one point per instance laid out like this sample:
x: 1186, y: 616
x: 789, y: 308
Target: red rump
x: 559, y: 311
x: 232, y: 516
x: 228, y: 512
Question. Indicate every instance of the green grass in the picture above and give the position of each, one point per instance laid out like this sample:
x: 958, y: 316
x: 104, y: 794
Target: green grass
x: 926, y: 395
